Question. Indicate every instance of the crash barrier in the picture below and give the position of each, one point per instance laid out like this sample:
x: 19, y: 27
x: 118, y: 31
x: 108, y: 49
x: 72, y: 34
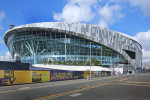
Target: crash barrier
x: 11, y: 77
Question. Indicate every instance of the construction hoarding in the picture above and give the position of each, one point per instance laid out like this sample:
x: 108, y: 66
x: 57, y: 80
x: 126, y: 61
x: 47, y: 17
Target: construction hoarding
x: 77, y: 74
x: 57, y: 75
x: 87, y: 73
x: 10, y: 77
x: 40, y: 76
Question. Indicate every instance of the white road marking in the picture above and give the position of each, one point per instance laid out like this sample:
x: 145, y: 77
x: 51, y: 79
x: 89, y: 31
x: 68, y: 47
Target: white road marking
x: 75, y: 95
x: 24, y: 88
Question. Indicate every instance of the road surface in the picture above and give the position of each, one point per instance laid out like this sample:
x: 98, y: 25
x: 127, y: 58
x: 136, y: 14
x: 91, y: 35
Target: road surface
x: 123, y: 87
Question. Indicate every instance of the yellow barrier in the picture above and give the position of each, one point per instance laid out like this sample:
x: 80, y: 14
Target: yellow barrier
x: 1, y: 73
x: 106, y: 73
x: 88, y: 73
x: 7, y: 77
x: 10, y: 77
x: 40, y: 76
x: 22, y: 76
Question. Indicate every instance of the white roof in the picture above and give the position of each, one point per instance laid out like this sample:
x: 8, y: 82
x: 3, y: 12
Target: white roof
x: 73, y: 68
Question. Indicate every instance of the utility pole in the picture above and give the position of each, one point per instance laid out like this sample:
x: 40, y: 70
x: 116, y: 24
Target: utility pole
x: 112, y: 65
x: 65, y: 47
x: 90, y: 60
x: 101, y: 54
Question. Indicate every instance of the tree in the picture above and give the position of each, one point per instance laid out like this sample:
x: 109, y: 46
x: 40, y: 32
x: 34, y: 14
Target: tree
x: 100, y: 63
x: 69, y: 62
x: 49, y: 62
x: 39, y: 61
x: 59, y: 62
x: 44, y: 61
x: 87, y: 63
x: 83, y: 64
x: 55, y: 61
x: 96, y: 62
x: 74, y: 63
x: 79, y: 62
x: 92, y: 61
x: 64, y: 62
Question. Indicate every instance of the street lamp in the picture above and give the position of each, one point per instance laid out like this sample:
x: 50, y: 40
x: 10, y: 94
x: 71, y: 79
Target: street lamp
x: 65, y: 48
x: 112, y: 64
x: 101, y: 53
x: 90, y: 60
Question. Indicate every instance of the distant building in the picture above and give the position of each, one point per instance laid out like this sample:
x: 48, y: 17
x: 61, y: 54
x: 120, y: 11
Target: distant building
x: 72, y: 41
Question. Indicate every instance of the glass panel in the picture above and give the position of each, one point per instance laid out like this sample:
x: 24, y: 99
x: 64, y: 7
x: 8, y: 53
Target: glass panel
x: 38, y: 45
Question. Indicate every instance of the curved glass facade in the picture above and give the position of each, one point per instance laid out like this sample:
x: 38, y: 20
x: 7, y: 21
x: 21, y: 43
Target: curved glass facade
x: 38, y: 45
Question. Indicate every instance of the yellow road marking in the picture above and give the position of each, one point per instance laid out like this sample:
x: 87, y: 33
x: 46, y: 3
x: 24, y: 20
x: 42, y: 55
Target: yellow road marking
x: 89, y: 85
x: 138, y: 82
x: 9, y: 91
x: 120, y: 80
x: 43, y: 86
x: 134, y: 84
x: 68, y: 92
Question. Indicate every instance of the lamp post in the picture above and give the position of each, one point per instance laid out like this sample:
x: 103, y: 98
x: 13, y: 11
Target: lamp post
x: 90, y: 60
x: 65, y: 48
x: 101, y: 54
x: 112, y: 64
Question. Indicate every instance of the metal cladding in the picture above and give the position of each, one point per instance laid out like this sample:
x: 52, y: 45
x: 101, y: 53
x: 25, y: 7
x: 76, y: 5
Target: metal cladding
x: 117, y: 41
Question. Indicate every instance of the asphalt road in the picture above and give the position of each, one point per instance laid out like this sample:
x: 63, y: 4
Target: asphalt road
x: 127, y: 87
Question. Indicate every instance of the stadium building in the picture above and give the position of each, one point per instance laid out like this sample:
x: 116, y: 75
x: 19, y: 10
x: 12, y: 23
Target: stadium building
x: 72, y: 41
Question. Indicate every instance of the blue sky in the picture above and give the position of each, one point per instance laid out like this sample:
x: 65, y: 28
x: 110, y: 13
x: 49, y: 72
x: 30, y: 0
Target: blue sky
x: 131, y: 17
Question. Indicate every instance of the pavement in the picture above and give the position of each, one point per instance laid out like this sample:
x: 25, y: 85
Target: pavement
x: 122, y: 87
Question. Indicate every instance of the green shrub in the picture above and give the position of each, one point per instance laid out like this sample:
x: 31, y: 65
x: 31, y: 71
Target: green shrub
x: 64, y: 62
x: 69, y: 62
x: 49, y: 62
x: 59, y: 62
x: 74, y: 63
x: 87, y: 63
x: 55, y: 61
x: 39, y: 61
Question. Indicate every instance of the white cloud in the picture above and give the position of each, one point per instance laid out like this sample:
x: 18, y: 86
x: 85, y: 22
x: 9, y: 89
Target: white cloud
x: 110, y: 15
x: 118, y: 1
x: 146, y: 54
x: 143, y: 4
x: 144, y: 39
x: 6, y: 57
x: 146, y: 60
x: 76, y: 11
x: 1, y: 28
x: 89, y: 10
x: 2, y: 16
x: 1, y: 41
